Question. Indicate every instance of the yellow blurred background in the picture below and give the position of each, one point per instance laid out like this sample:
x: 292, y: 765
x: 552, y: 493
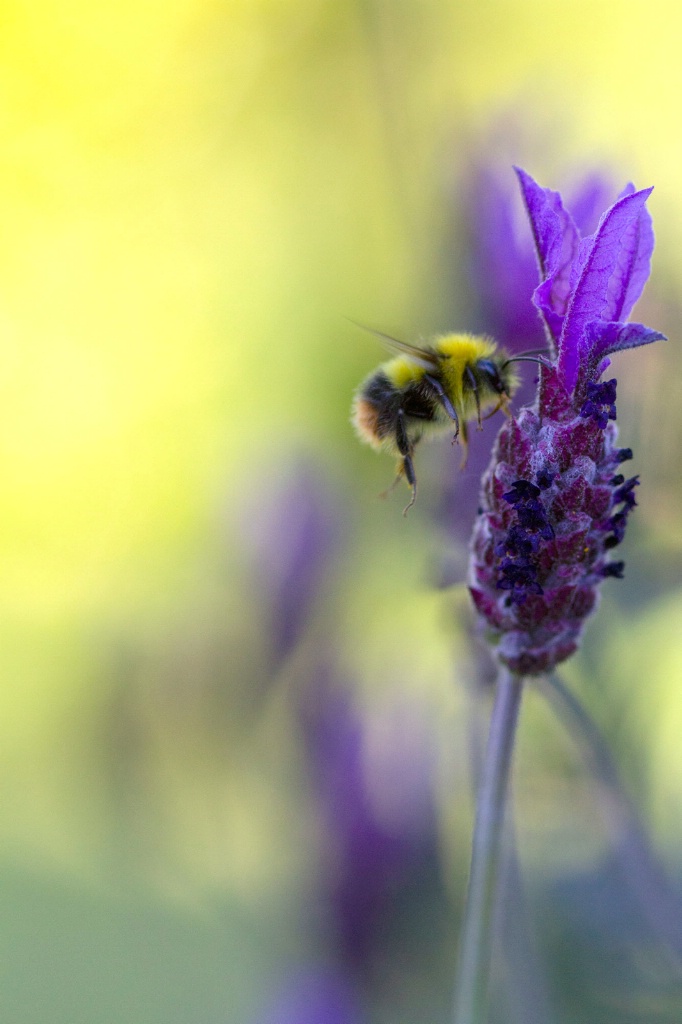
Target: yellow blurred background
x: 194, y: 196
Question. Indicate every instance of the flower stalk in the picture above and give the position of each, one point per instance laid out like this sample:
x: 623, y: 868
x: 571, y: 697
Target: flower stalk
x: 659, y: 901
x: 471, y: 991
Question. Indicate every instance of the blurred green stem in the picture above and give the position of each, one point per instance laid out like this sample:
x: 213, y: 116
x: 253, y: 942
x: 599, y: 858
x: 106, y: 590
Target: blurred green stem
x: 658, y: 899
x: 471, y: 990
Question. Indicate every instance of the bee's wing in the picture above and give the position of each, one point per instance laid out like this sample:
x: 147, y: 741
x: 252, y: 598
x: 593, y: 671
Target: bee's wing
x: 421, y: 356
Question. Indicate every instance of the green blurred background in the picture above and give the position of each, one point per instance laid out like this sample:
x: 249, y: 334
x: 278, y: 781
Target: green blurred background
x: 193, y: 197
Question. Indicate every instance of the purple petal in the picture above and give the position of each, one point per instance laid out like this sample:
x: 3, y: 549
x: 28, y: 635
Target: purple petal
x: 602, y: 338
x: 544, y: 300
x: 556, y: 242
x: 635, y: 263
x: 611, y: 268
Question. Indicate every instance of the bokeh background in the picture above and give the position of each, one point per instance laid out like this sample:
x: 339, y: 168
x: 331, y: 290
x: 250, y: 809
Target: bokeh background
x: 240, y: 712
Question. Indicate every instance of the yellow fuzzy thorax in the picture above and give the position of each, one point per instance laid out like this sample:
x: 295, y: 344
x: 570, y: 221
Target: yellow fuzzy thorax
x: 454, y: 352
x: 457, y: 351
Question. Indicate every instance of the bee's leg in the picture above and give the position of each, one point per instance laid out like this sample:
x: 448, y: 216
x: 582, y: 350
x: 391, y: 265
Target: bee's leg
x: 405, y: 449
x: 464, y: 439
x: 503, y: 404
x: 444, y: 401
x: 398, y: 477
x: 473, y: 384
x: 408, y: 470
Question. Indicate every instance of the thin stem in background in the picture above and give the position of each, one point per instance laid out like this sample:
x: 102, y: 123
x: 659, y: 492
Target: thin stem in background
x: 659, y: 901
x: 473, y: 971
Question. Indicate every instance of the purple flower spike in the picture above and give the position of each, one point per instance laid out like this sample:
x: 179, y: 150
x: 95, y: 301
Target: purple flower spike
x: 553, y: 503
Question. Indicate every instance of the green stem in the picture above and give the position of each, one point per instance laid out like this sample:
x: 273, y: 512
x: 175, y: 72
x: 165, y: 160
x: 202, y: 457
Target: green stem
x: 658, y: 899
x: 471, y: 991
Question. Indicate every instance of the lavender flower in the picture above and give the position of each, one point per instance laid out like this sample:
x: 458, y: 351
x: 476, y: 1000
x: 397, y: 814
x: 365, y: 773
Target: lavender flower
x: 554, y: 503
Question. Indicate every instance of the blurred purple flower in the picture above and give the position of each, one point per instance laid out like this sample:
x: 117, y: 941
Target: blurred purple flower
x: 373, y: 782
x: 292, y: 534
x: 313, y: 996
x: 502, y: 265
x: 553, y: 501
x: 502, y: 261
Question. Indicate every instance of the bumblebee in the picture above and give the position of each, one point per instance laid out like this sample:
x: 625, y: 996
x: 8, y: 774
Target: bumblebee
x: 428, y: 391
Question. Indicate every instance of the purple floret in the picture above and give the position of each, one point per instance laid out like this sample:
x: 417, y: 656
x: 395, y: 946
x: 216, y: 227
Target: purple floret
x: 600, y: 404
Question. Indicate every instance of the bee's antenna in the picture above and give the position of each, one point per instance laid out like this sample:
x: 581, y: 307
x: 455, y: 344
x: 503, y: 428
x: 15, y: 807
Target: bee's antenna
x: 527, y: 358
x: 534, y: 352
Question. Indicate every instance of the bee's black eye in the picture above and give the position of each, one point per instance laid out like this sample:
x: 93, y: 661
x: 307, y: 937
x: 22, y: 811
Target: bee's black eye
x: 488, y: 370
x: 487, y: 367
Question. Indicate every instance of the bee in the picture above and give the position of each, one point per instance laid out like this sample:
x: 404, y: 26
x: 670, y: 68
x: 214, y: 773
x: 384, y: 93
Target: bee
x: 425, y: 391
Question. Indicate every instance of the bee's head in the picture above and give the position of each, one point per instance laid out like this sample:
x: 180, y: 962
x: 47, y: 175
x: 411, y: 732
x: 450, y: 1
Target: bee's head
x: 499, y: 376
